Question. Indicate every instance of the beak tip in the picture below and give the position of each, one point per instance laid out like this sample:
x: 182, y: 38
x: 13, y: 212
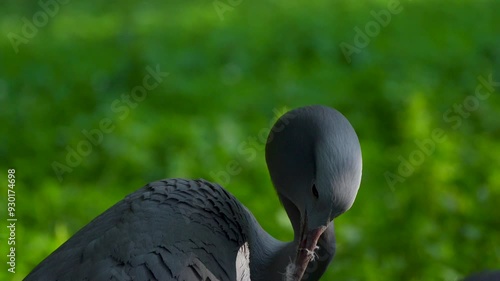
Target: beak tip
x: 307, y: 250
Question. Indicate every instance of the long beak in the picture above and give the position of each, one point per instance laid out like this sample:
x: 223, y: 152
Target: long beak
x: 307, y: 251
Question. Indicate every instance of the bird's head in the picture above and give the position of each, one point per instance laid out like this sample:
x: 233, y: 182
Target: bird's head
x: 314, y: 159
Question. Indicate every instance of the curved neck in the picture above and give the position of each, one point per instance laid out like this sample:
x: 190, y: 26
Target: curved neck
x: 293, y: 214
x: 269, y: 257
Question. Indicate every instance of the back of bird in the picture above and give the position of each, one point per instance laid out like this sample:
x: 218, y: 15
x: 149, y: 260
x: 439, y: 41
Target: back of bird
x: 172, y: 229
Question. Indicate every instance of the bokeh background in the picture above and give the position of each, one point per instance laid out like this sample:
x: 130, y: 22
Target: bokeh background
x: 233, y: 67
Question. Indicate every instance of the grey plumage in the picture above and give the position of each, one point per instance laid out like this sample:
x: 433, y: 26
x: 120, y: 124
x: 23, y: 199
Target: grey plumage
x: 179, y: 229
x: 145, y: 236
x: 484, y: 276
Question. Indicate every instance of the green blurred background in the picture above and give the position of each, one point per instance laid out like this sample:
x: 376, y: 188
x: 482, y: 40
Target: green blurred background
x: 230, y: 71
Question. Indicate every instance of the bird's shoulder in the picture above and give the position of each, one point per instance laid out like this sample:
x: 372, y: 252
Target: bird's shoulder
x: 181, y: 190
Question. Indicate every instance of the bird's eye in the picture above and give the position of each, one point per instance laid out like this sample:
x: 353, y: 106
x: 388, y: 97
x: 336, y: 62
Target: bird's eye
x: 315, y: 191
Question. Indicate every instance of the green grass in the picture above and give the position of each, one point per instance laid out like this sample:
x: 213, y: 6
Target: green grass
x: 226, y: 80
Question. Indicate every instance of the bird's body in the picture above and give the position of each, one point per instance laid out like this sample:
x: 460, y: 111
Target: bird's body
x: 144, y: 237
x: 178, y: 229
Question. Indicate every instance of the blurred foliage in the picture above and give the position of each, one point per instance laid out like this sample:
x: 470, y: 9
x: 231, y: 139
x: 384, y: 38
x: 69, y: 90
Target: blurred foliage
x: 227, y: 79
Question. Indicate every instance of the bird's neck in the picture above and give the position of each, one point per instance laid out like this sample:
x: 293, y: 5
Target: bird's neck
x: 294, y: 216
x: 269, y: 257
